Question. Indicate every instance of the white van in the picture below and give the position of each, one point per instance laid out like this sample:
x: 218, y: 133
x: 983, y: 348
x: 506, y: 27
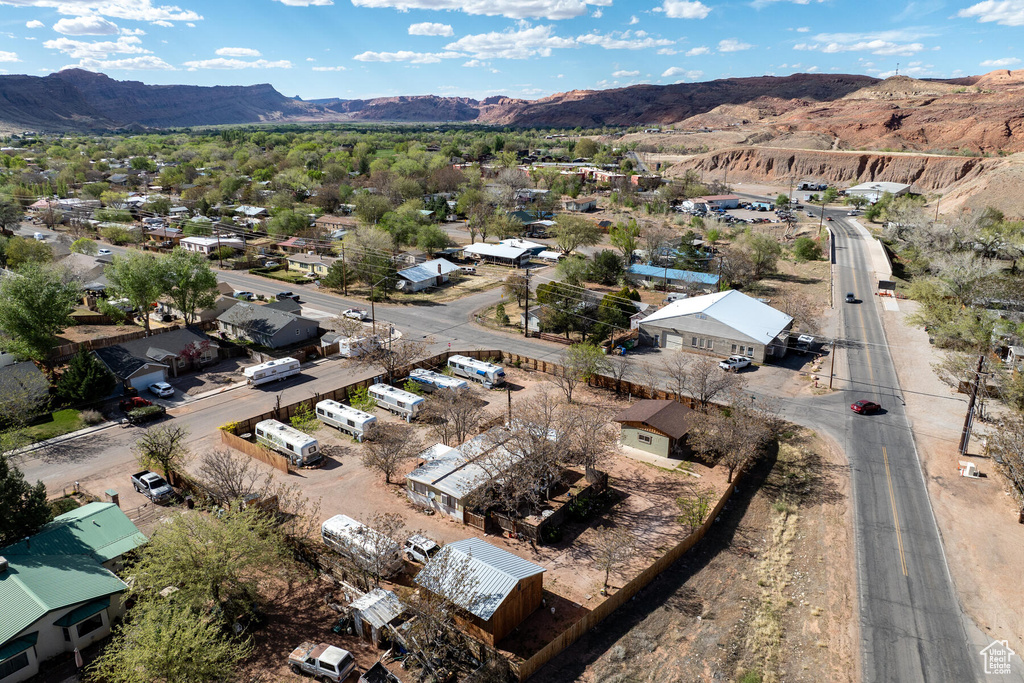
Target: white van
x: 346, y: 418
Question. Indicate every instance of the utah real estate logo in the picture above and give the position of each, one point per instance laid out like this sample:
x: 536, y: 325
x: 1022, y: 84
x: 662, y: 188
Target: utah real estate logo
x: 997, y: 657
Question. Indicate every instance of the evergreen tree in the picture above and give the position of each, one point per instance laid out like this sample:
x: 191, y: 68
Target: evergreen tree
x: 85, y: 379
x: 24, y: 506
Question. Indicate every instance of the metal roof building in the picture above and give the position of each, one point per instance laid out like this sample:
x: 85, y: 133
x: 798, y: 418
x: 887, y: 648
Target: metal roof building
x: 673, y: 276
x: 502, y: 589
x: 874, y: 190
x: 427, y: 274
x: 498, y: 253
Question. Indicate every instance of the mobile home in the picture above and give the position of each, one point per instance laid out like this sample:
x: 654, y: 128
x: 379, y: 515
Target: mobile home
x: 368, y: 548
x: 354, y: 347
x: 397, y: 401
x: 346, y: 418
x: 271, y: 371
x: 302, y: 449
x: 431, y: 381
x: 488, y: 374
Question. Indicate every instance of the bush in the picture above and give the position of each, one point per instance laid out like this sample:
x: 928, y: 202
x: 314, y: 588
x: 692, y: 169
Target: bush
x: 413, y: 387
x: 359, y: 398
x: 806, y: 249
x: 92, y: 417
x: 62, y: 505
x: 146, y: 413
x: 305, y: 419
x: 551, y: 534
x: 501, y: 315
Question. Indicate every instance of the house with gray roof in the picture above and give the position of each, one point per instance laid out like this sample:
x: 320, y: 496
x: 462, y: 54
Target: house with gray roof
x: 130, y: 370
x: 433, y: 273
x: 58, y: 590
x: 266, y: 325
x: 502, y: 589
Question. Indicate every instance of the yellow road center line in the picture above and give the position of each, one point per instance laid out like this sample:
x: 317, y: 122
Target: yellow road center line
x: 895, y: 515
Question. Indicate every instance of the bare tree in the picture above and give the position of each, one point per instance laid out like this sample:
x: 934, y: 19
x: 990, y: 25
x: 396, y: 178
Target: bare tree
x: 227, y: 477
x: 453, y: 415
x: 387, y: 446
x: 385, y: 544
x: 516, y: 285
x: 677, y: 371
x: 732, y: 438
x: 391, y: 358
x: 588, y: 436
x: 694, y: 508
x: 654, y: 238
x: 618, y: 368
x: 1008, y: 442
x: 804, y: 313
x: 705, y: 381
x: 614, y: 547
x: 165, y: 448
x: 579, y: 363
x: 509, y: 182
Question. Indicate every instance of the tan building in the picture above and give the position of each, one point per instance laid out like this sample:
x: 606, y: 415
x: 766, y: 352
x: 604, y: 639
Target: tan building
x: 658, y: 427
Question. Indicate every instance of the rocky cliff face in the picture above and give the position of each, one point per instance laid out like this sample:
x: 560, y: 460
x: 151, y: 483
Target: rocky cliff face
x: 780, y: 165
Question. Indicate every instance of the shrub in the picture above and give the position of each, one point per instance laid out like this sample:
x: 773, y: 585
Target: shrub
x: 413, y: 387
x: 62, y: 505
x: 92, y: 417
x: 501, y: 315
x: 305, y: 419
x: 359, y: 398
x: 806, y: 249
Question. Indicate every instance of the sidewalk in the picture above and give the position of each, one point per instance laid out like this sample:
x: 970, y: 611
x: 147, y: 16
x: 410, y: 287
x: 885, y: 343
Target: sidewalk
x: 976, y: 518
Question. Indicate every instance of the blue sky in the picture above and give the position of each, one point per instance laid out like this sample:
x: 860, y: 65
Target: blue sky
x: 519, y: 48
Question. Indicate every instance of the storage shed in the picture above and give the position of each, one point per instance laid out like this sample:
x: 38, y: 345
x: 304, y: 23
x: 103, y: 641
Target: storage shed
x: 372, y: 613
x: 506, y: 588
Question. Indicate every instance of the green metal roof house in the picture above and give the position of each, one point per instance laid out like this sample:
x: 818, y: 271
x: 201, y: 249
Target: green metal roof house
x: 58, y: 591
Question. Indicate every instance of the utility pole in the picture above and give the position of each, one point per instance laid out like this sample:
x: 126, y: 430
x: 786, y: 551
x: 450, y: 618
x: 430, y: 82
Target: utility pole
x: 344, y: 271
x: 965, y: 435
x: 832, y: 365
x: 526, y: 313
x: 508, y: 390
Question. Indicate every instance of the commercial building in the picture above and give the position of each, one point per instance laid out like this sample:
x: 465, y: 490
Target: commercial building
x: 873, y: 191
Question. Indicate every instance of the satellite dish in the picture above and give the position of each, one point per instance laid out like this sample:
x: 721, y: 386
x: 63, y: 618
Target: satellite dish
x: 431, y: 495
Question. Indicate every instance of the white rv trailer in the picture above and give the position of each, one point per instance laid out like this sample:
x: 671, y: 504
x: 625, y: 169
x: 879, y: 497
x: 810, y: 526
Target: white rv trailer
x: 399, y: 402
x: 354, y: 347
x: 367, y: 547
x: 431, y: 381
x: 346, y: 418
x: 271, y: 371
x: 302, y: 449
x: 488, y: 374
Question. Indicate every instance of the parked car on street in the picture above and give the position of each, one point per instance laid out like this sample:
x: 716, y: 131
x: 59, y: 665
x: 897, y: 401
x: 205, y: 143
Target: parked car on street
x: 245, y: 296
x: 133, y: 402
x: 322, y: 661
x: 162, y: 389
x: 865, y: 407
x: 734, y: 363
x: 286, y: 295
x: 104, y: 252
x: 356, y: 314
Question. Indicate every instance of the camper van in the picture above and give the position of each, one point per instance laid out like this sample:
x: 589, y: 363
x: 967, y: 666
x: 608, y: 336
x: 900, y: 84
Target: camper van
x: 431, y: 381
x: 368, y: 548
x: 346, y: 418
x: 354, y: 347
x: 488, y: 374
x: 271, y: 371
x: 302, y: 449
x: 397, y: 401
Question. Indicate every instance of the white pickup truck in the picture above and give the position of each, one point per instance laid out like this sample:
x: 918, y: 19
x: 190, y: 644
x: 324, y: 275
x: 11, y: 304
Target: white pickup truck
x: 734, y: 363
x: 152, y: 486
x: 322, y: 661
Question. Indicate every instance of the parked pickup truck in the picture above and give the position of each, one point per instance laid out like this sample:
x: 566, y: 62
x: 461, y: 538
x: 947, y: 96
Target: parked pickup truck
x: 152, y: 486
x: 734, y: 363
x: 134, y: 402
x: 322, y: 661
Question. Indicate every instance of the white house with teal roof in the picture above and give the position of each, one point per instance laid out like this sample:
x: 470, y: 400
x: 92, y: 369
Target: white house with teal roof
x: 58, y: 590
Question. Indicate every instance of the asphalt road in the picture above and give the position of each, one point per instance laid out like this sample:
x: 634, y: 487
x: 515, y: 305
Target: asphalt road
x: 912, y: 626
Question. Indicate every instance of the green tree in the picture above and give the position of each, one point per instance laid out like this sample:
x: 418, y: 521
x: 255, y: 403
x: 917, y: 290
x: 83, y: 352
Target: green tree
x: 24, y: 506
x: 606, y: 268
x: 500, y: 315
x: 573, y: 270
x: 10, y: 215
x: 337, y: 276
x: 163, y: 640
x: 34, y: 308
x: 431, y: 238
x: 806, y: 249
x: 21, y: 251
x: 781, y: 201
x: 763, y: 252
x: 586, y: 148
x: 625, y: 237
x: 189, y: 282
x: 287, y: 222
x: 572, y: 232
x: 85, y: 379
x: 370, y: 208
x: 84, y: 245
x: 305, y: 420
x: 164, y: 449
x: 138, y: 278
x: 161, y: 206
x: 579, y: 363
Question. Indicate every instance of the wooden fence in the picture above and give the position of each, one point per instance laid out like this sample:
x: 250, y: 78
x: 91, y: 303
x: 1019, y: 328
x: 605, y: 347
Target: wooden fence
x: 254, y: 450
x: 605, y: 609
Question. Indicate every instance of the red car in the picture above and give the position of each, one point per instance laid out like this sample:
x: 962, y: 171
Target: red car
x: 865, y: 407
x: 134, y: 402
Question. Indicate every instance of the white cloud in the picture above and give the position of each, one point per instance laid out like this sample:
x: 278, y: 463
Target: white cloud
x: 684, y: 9
x: 900, y: 42
x: 144, y: 63
x: 512, y: 44
x: 306, y: 3
x: 35, y: 23
x: 9, y: 56
x: 732, y: 45
x: 695, y: 51
x: 597, y: 14
x: 764, y: 3
x: 680, y: 73
x: 624, y: 40
x: 190, y: 24
x: 668, y: 51
x: 329, y: 68
x: 80, y: 49
x: 129, y: 10
x: 310, y: 59
x: 1001, y: 63
x: 162, y: 22
x: 1005, y: 12
x: 625, y: 74
x: 237, y: 52
x: 132, y: 32
x: 406, y: 56
x: 225, y: 63
x: 473, y: 63
x: 803, y: 29
x: 89, y: 25
x: 633, y: 20
x: 513, y: 9
x: 428, y: 28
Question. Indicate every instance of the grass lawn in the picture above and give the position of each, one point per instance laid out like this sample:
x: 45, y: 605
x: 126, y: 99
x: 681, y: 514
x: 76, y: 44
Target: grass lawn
x: 291, y: 276
x: 61, y: 422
